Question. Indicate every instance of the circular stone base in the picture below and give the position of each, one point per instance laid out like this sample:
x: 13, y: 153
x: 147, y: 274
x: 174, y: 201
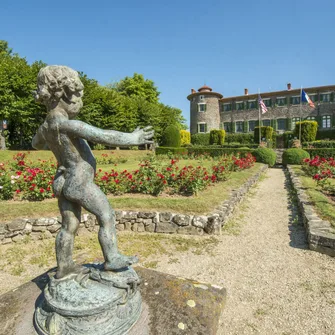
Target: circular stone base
x: 100, y: 303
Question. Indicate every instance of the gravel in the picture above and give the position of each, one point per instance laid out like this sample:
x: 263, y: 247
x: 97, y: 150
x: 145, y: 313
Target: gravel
x: 275, y: 284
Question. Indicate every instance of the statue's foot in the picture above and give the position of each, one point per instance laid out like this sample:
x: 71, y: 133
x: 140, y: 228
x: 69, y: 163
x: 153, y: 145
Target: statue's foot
x: 73, y: 269
x: 120, y: 262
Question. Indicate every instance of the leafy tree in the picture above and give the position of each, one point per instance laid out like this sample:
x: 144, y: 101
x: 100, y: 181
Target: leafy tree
x: 137, y: 86
x: 4, y: 47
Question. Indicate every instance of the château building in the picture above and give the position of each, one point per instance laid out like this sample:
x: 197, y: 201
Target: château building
x: 210, y: 110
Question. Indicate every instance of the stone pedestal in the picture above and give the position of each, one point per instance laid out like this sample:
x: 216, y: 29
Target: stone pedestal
x: 99, y: 302
x: 170, y: 305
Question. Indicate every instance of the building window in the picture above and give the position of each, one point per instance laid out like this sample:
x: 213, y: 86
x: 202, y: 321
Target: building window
x: 281, y: 124
x: 202, y: 127
x: 252, y: 104
x: 281, y: 101
x: 202, y: 97
x: 310, y: 118
x: 326, y: 121
x: 239, y: 127
x: 267, y: 102
x: 266, y: 123
x: 313, y: 97
x: 295, y: 100
x: 252, y: 125
x: 226, y: 107
x: 239, y: 105
x: 201, y: 107
x: 325, y: 97
x: 227, y: 127
x: 294, y: 121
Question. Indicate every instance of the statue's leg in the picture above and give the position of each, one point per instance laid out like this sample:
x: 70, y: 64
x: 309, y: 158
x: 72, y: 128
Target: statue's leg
x: 70, y: 212
x: 95, y: 201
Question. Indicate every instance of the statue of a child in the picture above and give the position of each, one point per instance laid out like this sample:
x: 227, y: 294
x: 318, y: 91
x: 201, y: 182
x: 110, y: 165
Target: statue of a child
x: 60, y: 90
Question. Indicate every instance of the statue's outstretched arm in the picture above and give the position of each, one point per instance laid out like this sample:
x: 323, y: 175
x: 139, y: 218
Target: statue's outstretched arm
x: 81, y: 129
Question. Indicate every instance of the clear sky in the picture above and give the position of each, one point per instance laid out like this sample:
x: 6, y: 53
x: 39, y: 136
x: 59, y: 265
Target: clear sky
x: 180, y: 44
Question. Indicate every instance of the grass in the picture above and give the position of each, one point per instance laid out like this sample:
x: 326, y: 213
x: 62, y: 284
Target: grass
x: 324, y: 206
x: 203, y: 203
x: 27, y: 260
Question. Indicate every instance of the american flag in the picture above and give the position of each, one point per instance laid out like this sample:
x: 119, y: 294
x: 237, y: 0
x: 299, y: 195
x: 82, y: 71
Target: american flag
x: 262, y: 105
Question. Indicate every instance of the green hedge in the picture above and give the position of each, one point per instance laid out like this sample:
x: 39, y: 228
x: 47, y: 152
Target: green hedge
x: 239, y: 138
x: 171, y: 136
x: 320, y: 144
x: 308, y: 130
x: 266, y: 132
x: 212, y: 151
x: 325, y: 153
x: 239, y: 145
x: 265, y: 155
x: 217, y: 136
x: 294, y: 156
x: 200, y: 139
x: 323, y: 134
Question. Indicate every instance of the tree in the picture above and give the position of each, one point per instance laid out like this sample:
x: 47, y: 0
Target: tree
x: 137, y: 86
x: 4, y: 47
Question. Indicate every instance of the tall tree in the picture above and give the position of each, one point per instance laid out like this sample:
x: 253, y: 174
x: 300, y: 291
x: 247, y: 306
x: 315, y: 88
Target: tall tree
x: 137, y: 86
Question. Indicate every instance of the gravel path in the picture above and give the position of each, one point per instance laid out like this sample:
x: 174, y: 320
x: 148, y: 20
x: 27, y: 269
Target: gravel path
x: 275, y: 284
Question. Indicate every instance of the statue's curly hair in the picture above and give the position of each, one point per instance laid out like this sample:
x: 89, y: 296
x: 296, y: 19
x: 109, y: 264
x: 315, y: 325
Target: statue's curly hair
x: 55, y: 81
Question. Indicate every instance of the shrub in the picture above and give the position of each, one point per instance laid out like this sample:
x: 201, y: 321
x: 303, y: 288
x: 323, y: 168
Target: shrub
x: 319, y: 144
x: 171, y: 136
x: 241, y: 138
x: 322, y: 152
x: 308, y: 130
x: 217, y: 136
x: 326, y: 134
x: 266, y: 132
x: 294, y: 156
x: 200, y: 139
x: 185, y: 137
x: 265, y: 155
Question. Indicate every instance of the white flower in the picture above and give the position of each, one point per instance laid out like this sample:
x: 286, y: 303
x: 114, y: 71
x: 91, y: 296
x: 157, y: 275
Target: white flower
x: 12, y: 177
x: 12, y: 181
x: 17, y: 177
x: 1, y: 187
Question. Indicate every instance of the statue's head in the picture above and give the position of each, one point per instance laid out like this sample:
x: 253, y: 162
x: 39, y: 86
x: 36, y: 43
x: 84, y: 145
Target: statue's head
x: 58, y: 84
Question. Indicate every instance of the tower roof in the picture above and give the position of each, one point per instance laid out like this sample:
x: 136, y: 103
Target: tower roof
x: 205, y: 88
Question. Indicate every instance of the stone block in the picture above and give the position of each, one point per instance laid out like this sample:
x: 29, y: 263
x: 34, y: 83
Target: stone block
x: 182, y: 220
x: 28, y: 228
x: 17, y: 224
x: 151, y: 228
x: 213, y: 225
x: 120, y: 227
x: 165, y: 217
x: 18, y: 238
x: 127, y: 225
x: 54, y: 228
x: 190, y: 230
x: 39, y: 228
x: 166, y: 227
x: 147, y: 222
x: 130, y: 215
x: 2, y: 236
x: 146, y: 215
x: 118, y: 215
x: 199, y: 221
x: 6, y: 240
x: 134, y: 226
x: 3, y: 228
x: 45, y: 222
x: 12, y: 233
x: 140, y: 227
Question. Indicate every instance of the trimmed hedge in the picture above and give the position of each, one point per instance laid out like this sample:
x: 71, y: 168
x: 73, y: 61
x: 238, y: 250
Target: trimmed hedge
x: 217, y: 136
x: 266, y: 132
x: 294, y: 156
x: 171, y: 136
x: 212, y: 151
x: 320, y: 144
x: 308, y: 130
x: 322, y: 152
x: 200, y: 139
x: 322, y: 134
x: 239, y: 138
x: 265, y: 155
x: 239, y: 145
x: 185, y: 137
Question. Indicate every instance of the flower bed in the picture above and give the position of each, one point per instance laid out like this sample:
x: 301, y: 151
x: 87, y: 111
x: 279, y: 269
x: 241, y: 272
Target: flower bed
x: 23, y: 180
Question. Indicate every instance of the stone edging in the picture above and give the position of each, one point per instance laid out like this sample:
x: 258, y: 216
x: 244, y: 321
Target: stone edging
x: 158, y: 222
x: 320, y: 233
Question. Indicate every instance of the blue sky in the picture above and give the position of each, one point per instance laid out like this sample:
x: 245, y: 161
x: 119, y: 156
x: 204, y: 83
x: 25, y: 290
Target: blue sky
x: 229, y: 45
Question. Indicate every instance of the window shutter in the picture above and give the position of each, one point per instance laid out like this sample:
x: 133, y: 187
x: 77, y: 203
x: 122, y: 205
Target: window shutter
x: 245, y: 126
x: 205, y: 125
x: 233, y: 127
x: 205, y: 108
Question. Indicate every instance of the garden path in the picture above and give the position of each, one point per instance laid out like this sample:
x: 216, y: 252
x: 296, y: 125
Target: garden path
x: 275, y: 284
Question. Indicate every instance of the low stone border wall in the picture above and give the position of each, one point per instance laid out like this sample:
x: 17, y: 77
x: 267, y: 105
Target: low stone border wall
x: 320, y: 233
x: 138, y: 221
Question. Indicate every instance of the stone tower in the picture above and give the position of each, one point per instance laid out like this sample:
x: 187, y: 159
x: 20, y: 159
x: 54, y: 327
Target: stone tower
x: 204, y: 110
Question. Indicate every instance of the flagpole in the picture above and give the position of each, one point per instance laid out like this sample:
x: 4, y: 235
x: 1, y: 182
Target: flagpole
x: 300, y: 116
x: 259, y: 119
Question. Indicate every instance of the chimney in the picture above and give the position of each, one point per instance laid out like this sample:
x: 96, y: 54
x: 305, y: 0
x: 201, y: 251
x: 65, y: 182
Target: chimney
x: 193, y: 91
x: 289, y: 86
x: 246, y: 92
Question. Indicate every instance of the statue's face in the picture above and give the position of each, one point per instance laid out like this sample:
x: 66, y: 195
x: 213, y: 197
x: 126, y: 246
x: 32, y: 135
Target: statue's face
x: 74, y: 105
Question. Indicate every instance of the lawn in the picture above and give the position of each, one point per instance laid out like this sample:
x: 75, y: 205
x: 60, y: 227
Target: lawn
x: 203, y: 203
x: 324, y: 205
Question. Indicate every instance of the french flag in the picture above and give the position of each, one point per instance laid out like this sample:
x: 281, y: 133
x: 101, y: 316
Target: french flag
x: 306, y: 98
